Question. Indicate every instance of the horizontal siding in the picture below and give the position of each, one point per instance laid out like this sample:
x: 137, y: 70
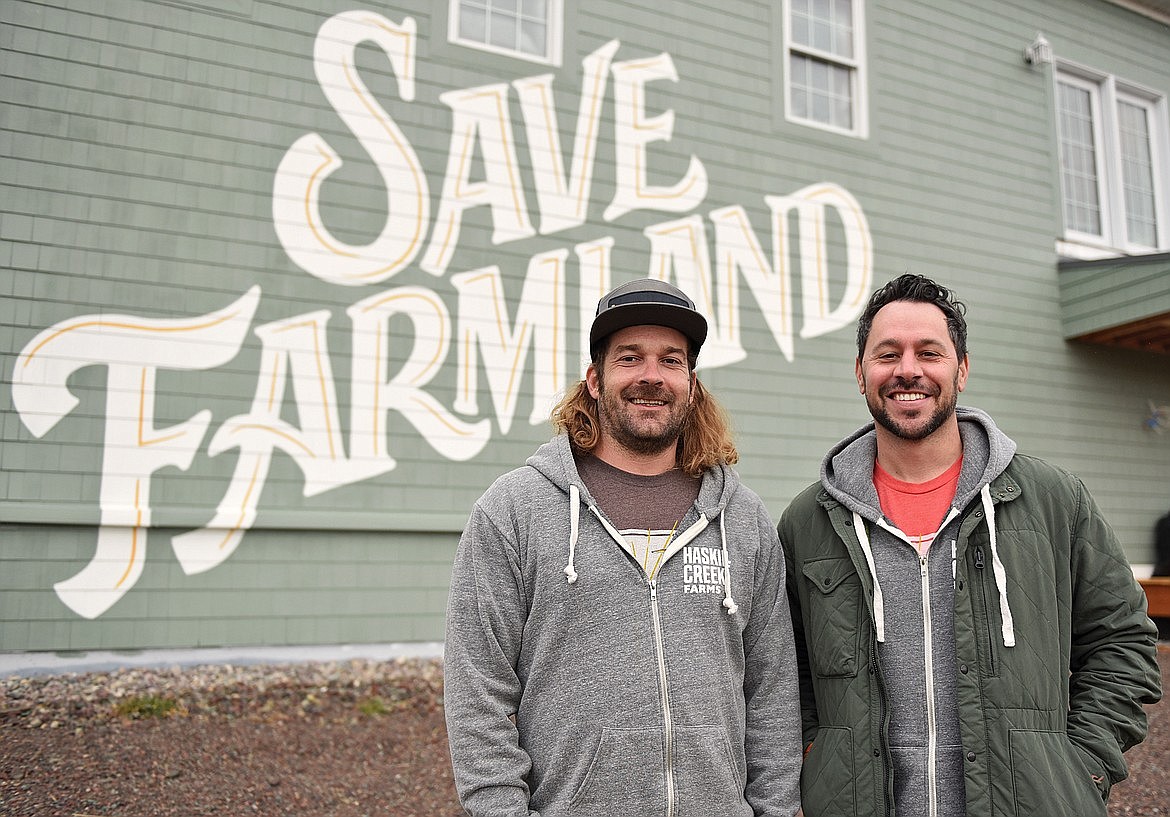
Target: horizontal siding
x: 139, y: 144
x: 283, y: 587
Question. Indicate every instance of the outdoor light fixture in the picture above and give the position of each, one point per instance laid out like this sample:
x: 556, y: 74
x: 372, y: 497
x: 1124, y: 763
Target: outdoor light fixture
x: 1039, y: 52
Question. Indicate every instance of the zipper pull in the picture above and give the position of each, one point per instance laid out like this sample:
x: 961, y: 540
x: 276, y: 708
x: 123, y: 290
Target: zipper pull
x: 653, y: 589
x: 979, y: 557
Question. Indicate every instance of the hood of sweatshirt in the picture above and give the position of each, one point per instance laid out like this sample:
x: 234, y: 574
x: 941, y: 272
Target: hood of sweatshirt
x: 847, y: 476
x: 847, y: 470
x: 554, y: 461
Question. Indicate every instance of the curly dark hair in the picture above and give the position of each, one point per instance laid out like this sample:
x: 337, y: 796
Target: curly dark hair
x: 919, y: 289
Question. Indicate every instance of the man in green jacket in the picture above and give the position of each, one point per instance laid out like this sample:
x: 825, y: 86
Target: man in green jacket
x: 971, y: 639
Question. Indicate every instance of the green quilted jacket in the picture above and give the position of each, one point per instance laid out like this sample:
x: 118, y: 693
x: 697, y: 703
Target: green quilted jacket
x: 1043, y: 722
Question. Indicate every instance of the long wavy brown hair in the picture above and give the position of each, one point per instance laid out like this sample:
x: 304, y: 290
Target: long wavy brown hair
x: 705, y: 442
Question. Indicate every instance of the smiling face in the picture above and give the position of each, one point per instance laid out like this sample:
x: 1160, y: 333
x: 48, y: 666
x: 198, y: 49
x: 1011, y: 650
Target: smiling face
x: 909, y: 372
x: 643, y: 390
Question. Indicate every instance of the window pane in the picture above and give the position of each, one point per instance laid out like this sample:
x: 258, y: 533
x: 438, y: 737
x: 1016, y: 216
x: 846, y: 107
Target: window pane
x: 843, y: 113
x: 822, y: 108
x: 821, y: 91
x: 798, y: 83
x: 826, y: 25
x: 800, y: 30
x: 473, y: 23
x: 842, y: 97
x: 532, y: 37
x: 536, y: 10
x: 843, y: 12
x: 843, y: 28
x: 1082, y: 203
x: 502, y: 30
x: 822, y: 35
x: 1137, y: 175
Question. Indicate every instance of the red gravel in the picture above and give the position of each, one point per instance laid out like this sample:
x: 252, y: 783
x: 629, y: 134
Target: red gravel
x: 329, y: 739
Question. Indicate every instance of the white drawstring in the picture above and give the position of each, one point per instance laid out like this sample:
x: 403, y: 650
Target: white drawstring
x: 728, y: 601
x: 574, y: 520
x: 997, y: 569
x: 879, y: 603
x: 1005, y: 611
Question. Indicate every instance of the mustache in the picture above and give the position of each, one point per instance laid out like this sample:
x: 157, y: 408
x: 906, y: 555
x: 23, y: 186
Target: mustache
x: 644, y: 393
x: 910, y: 384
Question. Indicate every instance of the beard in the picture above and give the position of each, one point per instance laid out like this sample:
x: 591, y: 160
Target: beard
x: 942, y: 412
x: 621, y: 419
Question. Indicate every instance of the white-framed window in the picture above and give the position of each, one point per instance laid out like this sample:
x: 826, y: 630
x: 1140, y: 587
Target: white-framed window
x: 528, y: 29
x: 825, y: 65
x: 1113, y: 162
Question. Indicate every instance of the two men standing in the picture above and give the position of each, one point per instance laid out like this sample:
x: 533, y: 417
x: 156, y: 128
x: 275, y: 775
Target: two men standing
x: 965, y: 633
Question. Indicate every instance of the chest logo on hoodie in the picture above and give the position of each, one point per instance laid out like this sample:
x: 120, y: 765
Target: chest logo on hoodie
x: 703, y: 570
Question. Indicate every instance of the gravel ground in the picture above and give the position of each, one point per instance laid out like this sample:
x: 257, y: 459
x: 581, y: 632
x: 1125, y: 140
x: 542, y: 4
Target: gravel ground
x: 329, y: 739
x: 339, y: 739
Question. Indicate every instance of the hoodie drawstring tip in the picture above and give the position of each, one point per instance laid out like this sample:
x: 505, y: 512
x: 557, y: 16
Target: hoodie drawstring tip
x: 574, y: 530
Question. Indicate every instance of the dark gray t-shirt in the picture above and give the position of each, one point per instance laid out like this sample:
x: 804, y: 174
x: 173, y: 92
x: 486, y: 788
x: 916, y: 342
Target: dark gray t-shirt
x: 647, y: 511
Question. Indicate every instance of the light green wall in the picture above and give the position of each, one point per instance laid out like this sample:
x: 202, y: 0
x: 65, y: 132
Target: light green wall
x: 139, y: 146
x: 281, y: 587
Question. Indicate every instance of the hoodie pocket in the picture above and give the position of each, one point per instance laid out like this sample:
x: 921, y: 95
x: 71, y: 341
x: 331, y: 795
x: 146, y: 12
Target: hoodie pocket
x: 625, y: 775
x: 831, y: 623
x: 1049, y: 777
x: 706, y: 778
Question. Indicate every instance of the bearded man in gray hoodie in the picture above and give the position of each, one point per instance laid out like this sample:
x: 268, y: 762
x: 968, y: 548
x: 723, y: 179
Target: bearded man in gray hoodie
x: 972, y: 641
x: 618, y: 635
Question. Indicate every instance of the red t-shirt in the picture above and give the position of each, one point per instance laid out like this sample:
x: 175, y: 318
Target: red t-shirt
x: 917, y: 508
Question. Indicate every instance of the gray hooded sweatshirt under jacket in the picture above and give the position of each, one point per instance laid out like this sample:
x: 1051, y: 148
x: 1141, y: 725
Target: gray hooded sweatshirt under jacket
x: 575, y: 686
x: 914, y: 604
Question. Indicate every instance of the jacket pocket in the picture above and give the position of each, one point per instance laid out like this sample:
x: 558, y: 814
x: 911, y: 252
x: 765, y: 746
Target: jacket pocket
x: 1050, y: 778
x: 625, y: 775
x: 831, y: 623
x: 828, y: 782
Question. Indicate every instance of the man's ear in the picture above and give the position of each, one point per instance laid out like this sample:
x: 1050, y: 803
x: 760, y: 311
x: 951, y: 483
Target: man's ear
x: 964, y: 370
x: 859, y: 374
x: 592, y: 382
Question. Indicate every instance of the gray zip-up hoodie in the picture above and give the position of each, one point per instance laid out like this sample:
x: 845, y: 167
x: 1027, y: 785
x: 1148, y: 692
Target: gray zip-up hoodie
x: 576, y: 686
x: 914, y: 610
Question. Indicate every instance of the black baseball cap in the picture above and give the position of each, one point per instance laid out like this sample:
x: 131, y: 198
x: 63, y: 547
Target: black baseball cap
x: 648, y: 301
